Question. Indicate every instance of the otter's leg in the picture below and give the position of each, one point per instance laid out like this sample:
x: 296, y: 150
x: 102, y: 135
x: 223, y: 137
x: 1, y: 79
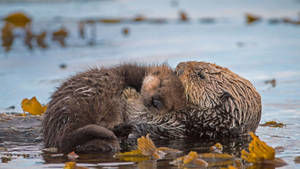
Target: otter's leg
x: 98, y: 145
x: 91, y: 137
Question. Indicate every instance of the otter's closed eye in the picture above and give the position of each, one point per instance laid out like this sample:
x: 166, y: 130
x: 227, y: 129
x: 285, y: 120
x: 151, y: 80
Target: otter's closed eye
x: 201, y: 75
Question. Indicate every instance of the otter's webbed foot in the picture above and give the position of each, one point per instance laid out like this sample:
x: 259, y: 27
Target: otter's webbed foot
x: 90, y: 138
x: 98, y: 145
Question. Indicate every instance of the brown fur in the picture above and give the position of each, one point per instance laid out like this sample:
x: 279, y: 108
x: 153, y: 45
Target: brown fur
x: 86, y: 108
x: 162, y: 91
x: 219, y: 104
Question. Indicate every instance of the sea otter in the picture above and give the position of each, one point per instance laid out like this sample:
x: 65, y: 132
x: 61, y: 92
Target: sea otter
x: 220, y: 104
x: 87, y: 108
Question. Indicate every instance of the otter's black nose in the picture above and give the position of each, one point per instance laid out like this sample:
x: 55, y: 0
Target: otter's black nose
x: 156, y: 102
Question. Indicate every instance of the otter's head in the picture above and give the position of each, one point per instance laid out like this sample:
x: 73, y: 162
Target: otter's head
x: 205, y: 84
x: 162, y: 90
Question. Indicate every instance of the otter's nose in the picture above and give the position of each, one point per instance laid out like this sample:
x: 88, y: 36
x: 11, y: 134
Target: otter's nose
x: 157, y: 102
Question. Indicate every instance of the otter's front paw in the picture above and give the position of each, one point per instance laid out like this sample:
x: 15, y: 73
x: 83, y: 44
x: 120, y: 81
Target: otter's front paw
x: 123, y: 130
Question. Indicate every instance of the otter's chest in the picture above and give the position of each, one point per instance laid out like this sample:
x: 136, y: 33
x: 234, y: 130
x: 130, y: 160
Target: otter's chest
x: 210, y: 123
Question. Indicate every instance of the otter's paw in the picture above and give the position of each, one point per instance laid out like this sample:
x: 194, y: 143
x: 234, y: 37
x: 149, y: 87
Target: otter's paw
x: 91, y: 138
x: 98, y: 145
x: 123, y: 130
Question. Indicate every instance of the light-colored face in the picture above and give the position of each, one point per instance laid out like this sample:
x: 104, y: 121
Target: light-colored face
x: 202, y: 82
x: 162, y: 91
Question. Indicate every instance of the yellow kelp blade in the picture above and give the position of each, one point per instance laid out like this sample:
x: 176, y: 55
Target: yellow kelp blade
x: 230, y: 167
x: 33, y: 106
x: 146, y: 145
x: 169, y: 150
x: 146, y: 150
x: 224, y: 156
x: 273, y: 124
x: 261, y: 153
x: 133, y: 156
x: 192, y: 159
x: 130, y: 153
x: 70, y: 165
x: 18, y: 19
x: 217, y: 148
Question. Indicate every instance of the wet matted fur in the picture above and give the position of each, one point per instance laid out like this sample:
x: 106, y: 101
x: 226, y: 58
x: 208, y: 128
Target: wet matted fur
x: 220, y: 104
x: 86, y: 108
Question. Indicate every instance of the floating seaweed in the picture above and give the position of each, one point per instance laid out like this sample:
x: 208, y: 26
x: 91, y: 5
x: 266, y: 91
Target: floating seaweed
x: 230, y: 167
x: 146, y: 150
x: 139, y: 18
x: 125, y: 31
x: 72, y: 165
x: 273, y: 124
x: 216, y: 156
x: 272, y: 82
x: 60, y: 36
x: 18, y: 19
x: 250, y: 18
x: 291, y: 21
x: 217, y: 148
x: 117, y: 20
x: 183, y: 16
x: 40, y: 40
x: 33, y: 106
x: 261, y: 153
x: 190, y: 160
x: 7, y: 36
x: 297, y: 159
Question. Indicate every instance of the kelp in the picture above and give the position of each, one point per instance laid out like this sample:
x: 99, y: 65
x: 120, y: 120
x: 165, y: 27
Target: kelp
x: 260, y: 153
x: 60, y: 36
x: 273, y: 124
x: 230, y: 167
x: 250, y: 18
x: 190, y: 160
x: 7, y: 36
x: 18, y: 19
x: 33, y: 106
x: 146, y: 150
x: 217, y: 148
x: 72, y: 165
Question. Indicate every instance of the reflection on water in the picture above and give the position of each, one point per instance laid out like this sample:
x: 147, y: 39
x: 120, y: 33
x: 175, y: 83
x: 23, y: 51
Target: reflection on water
x: 265, y: 52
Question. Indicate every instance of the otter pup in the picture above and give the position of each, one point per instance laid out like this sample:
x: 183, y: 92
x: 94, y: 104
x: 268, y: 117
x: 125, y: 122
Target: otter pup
x: 84, y: 110
x: 219, y: 104
x: 161, y: 91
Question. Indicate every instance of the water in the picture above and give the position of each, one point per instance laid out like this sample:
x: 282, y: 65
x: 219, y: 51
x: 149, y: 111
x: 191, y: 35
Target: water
x: 259, y: 52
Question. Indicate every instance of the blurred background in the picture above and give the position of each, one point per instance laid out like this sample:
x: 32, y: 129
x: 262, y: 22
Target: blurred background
x: 46, y: 41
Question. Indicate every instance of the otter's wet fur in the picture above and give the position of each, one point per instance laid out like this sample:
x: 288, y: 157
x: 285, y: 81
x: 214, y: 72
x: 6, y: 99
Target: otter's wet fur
x: 86, y: 108
x: 220, y: 104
